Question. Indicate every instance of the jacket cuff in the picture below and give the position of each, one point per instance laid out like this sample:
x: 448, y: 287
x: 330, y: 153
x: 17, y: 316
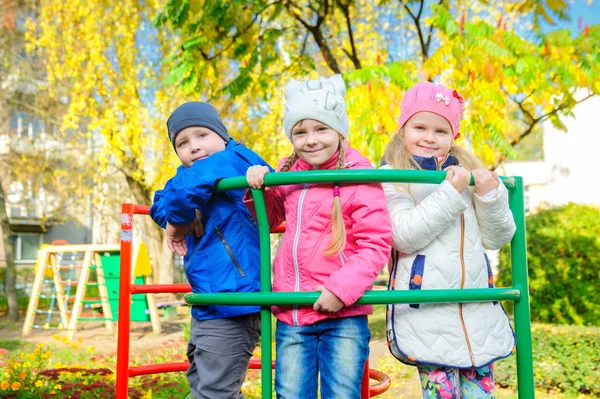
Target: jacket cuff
x: 341, y: 293
x: 456, y: 198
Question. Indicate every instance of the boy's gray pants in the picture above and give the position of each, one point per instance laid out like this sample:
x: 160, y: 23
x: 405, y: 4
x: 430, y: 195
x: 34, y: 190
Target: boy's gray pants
x: 219, y: 352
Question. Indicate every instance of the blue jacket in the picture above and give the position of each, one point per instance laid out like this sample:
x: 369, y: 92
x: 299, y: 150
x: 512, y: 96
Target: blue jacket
x: 226, y: 257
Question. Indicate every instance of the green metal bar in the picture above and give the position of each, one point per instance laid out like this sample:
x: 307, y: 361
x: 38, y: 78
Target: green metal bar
x: 266, y: 333
x: 518, y: 256
x: 370, y: 297
x: 347, y: 176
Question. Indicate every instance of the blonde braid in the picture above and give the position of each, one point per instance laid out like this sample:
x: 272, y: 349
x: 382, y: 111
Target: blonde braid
x: 289, y: 162
x: 338, y: 229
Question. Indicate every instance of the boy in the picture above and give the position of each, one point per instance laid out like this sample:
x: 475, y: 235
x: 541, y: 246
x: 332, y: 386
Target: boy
x: 219, y: 239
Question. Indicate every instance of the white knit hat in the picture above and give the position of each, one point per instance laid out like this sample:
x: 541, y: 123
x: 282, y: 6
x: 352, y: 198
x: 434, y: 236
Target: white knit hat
x: 321, y: 99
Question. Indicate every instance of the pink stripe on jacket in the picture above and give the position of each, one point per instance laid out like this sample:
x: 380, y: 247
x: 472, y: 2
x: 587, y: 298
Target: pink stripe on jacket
x: 300, y: 264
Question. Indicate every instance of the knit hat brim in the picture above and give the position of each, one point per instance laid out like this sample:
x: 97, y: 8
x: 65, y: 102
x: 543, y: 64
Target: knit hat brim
x: 339, y: 125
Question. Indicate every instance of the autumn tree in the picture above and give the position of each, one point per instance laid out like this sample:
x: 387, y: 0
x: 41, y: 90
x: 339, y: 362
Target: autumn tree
x: 104, y: 58
x: 35, y: 156
x: 514, y: 76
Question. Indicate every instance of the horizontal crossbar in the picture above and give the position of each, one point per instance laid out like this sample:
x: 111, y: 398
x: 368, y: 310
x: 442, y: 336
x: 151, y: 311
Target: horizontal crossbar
x: 370, y: 297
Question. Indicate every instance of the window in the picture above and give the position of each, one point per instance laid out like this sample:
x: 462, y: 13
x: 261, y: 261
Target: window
x: 27, y: 247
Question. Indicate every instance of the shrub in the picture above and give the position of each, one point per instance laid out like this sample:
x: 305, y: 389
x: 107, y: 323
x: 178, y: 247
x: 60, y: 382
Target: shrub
x: 563, y: 254
x: 565, y: 359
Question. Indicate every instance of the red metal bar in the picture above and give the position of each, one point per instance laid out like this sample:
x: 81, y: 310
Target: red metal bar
x: 383, y: 384
x: 278, y: 229
x: 124, y: 322
x: 140, y: 209
x: 364, y: 386
x: 160, y: 288
x: 158, y: 368
x: 255, y: 364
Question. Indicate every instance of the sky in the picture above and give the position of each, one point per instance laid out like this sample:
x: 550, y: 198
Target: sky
x: 589, y: 14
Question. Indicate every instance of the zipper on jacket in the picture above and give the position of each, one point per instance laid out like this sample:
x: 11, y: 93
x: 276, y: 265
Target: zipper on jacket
x: 462, y: 284
x: 343, y: 258
x: 230, y: 252
x: 440, y: 163
x: 185, y: 267
x: 295, y: 252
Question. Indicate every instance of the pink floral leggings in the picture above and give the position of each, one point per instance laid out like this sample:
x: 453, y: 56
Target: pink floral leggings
x: 452, y: 383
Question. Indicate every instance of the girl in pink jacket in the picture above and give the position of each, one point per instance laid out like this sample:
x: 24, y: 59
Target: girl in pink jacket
x: 337, y: 240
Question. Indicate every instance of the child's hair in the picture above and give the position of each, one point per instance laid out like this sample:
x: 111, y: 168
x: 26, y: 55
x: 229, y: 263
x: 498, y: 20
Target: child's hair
x: 440, y: 100
x: 338, y: 229
x: 398, y: 157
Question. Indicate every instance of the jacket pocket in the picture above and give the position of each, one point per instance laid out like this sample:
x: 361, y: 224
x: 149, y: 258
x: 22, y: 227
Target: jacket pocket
x: 490, y: 274
x: 416, y: 276
x: 236, y: 263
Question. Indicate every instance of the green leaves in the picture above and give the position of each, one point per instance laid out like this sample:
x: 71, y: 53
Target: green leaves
x: 565, y: 359
x: 563, y: 248
x: 175, y: 12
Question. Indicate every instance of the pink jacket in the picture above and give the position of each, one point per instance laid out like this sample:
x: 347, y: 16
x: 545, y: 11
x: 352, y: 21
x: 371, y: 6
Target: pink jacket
x: 300, y: 264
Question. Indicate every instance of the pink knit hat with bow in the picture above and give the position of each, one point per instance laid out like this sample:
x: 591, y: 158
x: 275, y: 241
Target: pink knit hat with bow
x: 427, y: 96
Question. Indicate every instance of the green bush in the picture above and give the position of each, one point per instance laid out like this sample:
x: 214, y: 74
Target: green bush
x: 565, y: 359
x: 563, y: 254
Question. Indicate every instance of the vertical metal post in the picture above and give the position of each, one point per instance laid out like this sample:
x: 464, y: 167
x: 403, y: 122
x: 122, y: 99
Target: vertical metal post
x: 364, y: 385
x: 518, y: 255
x: 124, y: 323
x: 266, y: 334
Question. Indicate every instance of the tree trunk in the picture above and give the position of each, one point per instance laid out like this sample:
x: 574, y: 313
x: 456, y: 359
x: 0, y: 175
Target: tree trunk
x: 156, y: 240
x: 10, y: 280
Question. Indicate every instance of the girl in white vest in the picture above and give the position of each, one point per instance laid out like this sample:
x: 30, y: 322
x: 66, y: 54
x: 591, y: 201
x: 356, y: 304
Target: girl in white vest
x: 440, y: 234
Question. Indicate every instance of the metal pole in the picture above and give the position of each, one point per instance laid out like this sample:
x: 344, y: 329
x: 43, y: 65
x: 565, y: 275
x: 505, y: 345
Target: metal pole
x: 266, y: 334
x: 281, y: 298
x: 124, y: 323
x: 518, y: 255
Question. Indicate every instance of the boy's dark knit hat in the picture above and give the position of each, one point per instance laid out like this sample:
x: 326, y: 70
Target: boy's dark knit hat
x: 195, y: 113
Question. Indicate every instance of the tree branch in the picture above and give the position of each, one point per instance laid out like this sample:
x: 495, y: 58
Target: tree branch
x: 417, y: 20
x: 430, y: 33
x: 233, y: 38
x: 535, y: 121
x: 317, y: 35
x: 352, y: 54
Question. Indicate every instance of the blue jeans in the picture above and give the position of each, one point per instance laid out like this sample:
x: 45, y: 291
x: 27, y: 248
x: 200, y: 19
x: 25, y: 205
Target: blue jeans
x: 335, y: 348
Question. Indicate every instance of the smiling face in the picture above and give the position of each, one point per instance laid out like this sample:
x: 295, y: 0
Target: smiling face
x: 314, y: 142
x: 195, y: 142
x: 428, y: 135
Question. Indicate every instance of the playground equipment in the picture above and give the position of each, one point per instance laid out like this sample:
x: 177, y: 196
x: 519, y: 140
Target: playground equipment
x: 59, y: 269
x: 517, y: 293
x: 65, y: 273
